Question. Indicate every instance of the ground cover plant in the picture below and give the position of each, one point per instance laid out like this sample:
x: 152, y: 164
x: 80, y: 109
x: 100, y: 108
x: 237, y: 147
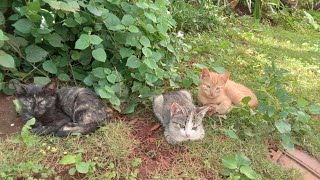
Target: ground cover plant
x: 280, y: 63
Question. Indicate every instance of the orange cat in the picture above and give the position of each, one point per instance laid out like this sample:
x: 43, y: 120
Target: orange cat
x: 221, y: 93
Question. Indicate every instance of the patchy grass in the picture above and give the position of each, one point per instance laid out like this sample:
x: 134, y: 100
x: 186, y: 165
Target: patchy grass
x: 243, y: 48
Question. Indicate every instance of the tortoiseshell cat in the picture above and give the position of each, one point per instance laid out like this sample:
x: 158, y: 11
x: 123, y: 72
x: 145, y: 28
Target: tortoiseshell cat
x: 61, y: 112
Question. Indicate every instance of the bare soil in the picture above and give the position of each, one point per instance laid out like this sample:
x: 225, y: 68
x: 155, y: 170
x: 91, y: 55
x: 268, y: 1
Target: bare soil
x: 10, y: 123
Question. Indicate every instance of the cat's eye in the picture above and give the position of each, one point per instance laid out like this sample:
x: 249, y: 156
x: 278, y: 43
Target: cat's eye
x: 218, y: 88
x: 181, y: 126
x: 208, y: 86
x: 195, y: 128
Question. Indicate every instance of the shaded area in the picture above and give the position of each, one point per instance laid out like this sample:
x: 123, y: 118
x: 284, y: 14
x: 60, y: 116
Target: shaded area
x: 10, y: 123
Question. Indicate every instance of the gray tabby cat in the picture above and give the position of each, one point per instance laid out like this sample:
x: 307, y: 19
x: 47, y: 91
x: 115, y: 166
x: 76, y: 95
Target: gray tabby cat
x: 181, y: 119
x: 61, y: 112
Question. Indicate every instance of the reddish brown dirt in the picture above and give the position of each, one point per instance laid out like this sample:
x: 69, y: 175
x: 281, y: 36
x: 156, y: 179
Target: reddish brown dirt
x: 10, y: 123
x: 154, y: 157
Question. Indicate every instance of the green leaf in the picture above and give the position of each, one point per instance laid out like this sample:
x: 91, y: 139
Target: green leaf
x: 142, y: 5
x: 229, y: 162
x: 151, y: 78
x: 133, y: 62
x: 131, y: 106
x: 114, y: 100
x: 125, y: 52
x: 151, y: 63
x: 72, y: 171
x: 151, y: 29
x: 248, y: 171
x: 242, y: 159
x: 23, y: 25
x: 94, y: 10
x: 112, y: 78
x: 55, y: 40
x: 151, y: 16
x: 99, y: 54
x: 136, y: 162
x: 117, y: 27
x: 246, y: 100
x: 2, y: 36
x: 103, y: 93
x: 287, y: 142
x: 34, y: 6
x: 145, y: 41
x: 67, y: 159
x: 99, y: 73
x: 50, y: 67
x: 219, y: 69
x: 133, y: 29
x: 41, y: 80
x: 82, y: 167
x: 231, y: 134
x: 283, y: 126
x: 17, y: 106
x: 94, y: 39
x: 63, y: 77
x: 303, y: 117
x: 314, y: 109
x: 136, y: 86
x: 302, y: 102
x: 35, y: 53
x: 186, y: 82
x: 83, y: 42
x: 147, y: 52
x: 6, y: 60
x: 127, y: 20
x: 111, y: 20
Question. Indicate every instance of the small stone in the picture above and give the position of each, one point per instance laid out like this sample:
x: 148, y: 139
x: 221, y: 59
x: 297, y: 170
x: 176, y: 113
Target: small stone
x: 11, y: 124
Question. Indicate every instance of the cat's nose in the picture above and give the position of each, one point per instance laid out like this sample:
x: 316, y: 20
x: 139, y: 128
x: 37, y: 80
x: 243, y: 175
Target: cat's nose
x: 187, y: 135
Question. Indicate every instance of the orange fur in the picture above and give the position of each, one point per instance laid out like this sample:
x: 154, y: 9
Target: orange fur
x: 221, y: 93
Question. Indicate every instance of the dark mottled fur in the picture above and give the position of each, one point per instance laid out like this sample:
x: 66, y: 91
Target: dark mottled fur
x: 61, y: 112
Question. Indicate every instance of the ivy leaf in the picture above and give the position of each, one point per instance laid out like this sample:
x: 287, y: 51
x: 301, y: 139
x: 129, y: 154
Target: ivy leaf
x: 147, y: 52
x: 219, y: 69
x: 83, y: 42
x: 117, y: 27
x: 55, y: 40
x: 94, y: 39
x: 229, y: 162
x: 23, y: 25
x: 41, y: 80
x: 231, y: 134
x: 50, y: 67
x: 99, y: 54
x: 99, y: 73
x: 142, y: 5
x: 112, y: 78
x: 145, y: 41
x: 151, y: 63
x: 103, y: 93
x: 242, y: 159
x: 82, y: 167
x: 35, y: 53
x: 94, y: 10
x: 6, y: 60
x: 2, y: 36
x: 125, y: 52
x: 131, y: 106
x: 283, y: 126
x: 151, y: 16
x: 114, y: 100
x: 286, y: 142
x: 133, y: 29
x: 314, y: 109
x: 63, y: 77
x: 151, y: 78
x: 111, y: 20
x: 72, y: 171
x: 248, y: 171
x: 127, y: 20
x: 303, y: 117
x: 67, y: 159
x: 133, y: 62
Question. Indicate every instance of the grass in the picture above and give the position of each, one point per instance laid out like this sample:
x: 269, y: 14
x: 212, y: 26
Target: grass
x: 243, y: 48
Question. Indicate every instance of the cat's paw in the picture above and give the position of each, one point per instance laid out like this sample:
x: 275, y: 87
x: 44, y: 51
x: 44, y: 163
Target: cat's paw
x: 212, y: 110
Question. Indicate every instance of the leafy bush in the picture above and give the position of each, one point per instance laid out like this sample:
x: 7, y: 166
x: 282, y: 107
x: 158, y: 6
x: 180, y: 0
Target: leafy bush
x: 120, y: 49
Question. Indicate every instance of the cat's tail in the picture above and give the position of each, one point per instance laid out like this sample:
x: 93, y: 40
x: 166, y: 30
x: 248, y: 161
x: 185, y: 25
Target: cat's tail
x: 77, y: 128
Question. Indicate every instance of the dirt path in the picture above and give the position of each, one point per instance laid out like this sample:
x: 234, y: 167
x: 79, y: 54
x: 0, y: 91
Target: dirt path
x: 10, y: 123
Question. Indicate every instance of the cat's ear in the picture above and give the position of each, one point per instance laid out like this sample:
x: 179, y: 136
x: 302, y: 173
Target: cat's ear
x: 20, y: 88
x: 52, y: 86
x: 175, y: 109
x: 225, y: 77
x: 205, y: 73
x: 201, y: 111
